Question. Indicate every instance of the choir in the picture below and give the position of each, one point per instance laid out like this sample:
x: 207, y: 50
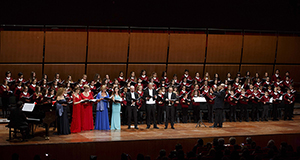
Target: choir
x: 159, y: 99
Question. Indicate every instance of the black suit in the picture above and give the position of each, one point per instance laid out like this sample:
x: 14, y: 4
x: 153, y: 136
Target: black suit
x: 170, y: 109
x: 151, y: 108
x: 218, y: 106
x: 131, y: 108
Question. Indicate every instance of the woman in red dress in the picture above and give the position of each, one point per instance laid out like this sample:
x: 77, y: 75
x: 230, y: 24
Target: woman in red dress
x: 77, y: 108
x: 87, y: 110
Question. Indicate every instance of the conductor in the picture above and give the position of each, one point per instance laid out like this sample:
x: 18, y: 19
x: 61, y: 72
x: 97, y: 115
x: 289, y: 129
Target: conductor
x: 219, y: 105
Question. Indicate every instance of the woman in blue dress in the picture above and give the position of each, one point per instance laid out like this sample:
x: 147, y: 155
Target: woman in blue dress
x: 101, y: 122
x: 116, y: 108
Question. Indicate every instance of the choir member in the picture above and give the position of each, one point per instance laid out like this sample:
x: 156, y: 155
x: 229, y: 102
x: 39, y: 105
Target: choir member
x: 243, y: 104
x: 116, y: 108
x: 8, y: 77
x: 265, y: 76
x: 132, y: 77
x: 236, y: 83
x: 32, y: 87
x: 37, y: 95
x: 175, y: 78
x: 107, y: 77
x: 149, y: 97
x: 44, y: 84
x: 18, y: 90
x: 258, y: 83
x: 124, y: 106
x: 287, y: 74
x: 97, y: 79
x: 32, y: 76
x: 51, y: 94
x: 277, y: 101
x: 248, y: 75
x: 293, y: 92
x: 288, y: 101
x: 140, y: 104
x: 77, y: 110
x: 210, y: 102
x: 121, y: 78
x: 101, y: 121
x: 186, y: 75
x: 206, y: 77
x: 276, y: 75
x: 232, y: 100
x: 195, y: 105
x: 55, y: 86
x: 155, y: 78
x: 20, y: 77
x: 160, y: 105
x: 228, y: 77
x: 45, y: 76
x: 255, y: 77
x: 69, y: 79
x: 165, y: 77
x: 278, y: 83
x: 143, y: 75
x: 25, y: 96
x: 197, y: 77
x: 84, y: 79
x: 63, y: 127
x: 266, y: 105
x: 131, y: 99
x: 87, y: 110
x: 170, y: 98
x: 255, y: 98
x: 5, y: 92
x: 184, y: 102
x: 286, y: 82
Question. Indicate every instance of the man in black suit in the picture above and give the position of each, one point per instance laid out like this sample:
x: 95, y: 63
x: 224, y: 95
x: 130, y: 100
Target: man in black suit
x: 170, y: 97
x: 149, y: 97
x: 18, y: 119
x: 131, y: 98
x: 219, y: 105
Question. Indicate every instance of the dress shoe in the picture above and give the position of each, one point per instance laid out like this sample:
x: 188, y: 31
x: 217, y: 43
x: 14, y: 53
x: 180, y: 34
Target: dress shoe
x: 172, y: 127
x: 165, y: 127
x: 212, y: 126
x: 156, y: 127
x: 148, y: 127
x: 128, y: 127
x: 136, y: 127
x: 219, y: 126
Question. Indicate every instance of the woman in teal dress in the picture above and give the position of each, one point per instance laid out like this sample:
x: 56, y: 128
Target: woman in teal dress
x: 116, y: 107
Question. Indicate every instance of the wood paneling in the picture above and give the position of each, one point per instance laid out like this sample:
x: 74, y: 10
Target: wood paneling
x: 224, y: 48
x: 222, y: 70
x: 24, y: 68
x: 75, y: 70
x: 261, y: 69
x: 293, y: 69
x: 259, y: 49
x: 179, y: 70
x: 148, y: 47
x: 107, y: 47
x: 187, y: 48
x: 288, y: 50
x: 112, y: 70
x: 65, y: 46
x: 21, y: 46
x: 150, y: 68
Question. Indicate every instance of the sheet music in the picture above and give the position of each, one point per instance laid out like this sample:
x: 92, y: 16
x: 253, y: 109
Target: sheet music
x: 199, y: 99
x: 28, y: 107
x: 271, y: 100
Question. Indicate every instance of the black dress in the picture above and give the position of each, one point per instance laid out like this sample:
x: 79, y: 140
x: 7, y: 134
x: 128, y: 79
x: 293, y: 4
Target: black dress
x: 63, y: 126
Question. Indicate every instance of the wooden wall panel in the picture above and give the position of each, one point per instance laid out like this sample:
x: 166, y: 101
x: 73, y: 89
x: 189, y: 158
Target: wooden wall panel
x: 261, y: 69
x: 293, y: 69
x: 24, y: 68
x: 150, y: 68
x: 148, y: 47
x: 107, y: 47
x: 75, y: 70
x: 288, y: 50
x: 222, y: 70
x: 22, y: 46
x: 259, y: 49
x: 112, y: 70
x: 65, y: 46
x: 179, y: 69
x: 187, y: 48
x: 224, y: 48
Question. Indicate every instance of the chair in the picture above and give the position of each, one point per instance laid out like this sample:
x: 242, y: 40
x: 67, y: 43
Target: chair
x: 15, y: 130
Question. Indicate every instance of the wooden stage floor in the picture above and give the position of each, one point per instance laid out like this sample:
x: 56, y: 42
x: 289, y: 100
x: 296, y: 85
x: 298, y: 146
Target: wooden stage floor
x: 182, y: 131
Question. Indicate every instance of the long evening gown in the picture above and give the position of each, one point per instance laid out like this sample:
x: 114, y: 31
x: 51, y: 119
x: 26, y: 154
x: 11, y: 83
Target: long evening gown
x: 87, y: 114
x: 115, y: 117
x: 76, y: 116
x: 63, y: 126
x: 102, y: 122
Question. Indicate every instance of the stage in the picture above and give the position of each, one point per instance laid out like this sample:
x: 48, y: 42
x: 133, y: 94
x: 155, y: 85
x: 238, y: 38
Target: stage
x: 110, y: 144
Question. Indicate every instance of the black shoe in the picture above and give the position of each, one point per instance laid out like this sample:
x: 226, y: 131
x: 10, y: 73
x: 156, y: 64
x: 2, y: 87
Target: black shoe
x: 230, y: 120
x: 290, y: 119
x: 148, y: 127
x: 252, y: 120
x: 276, y: 119
x: 128, y: 127
x: 212, y: 126
x: 172, y: 127
x: 155, y: 127
x: 266, y: 120
x: 136, y: 127
x: 234, y: 120
x: 165, y: 127
x: 240, y: 120
x: 247, y: 120
x: 219, y: 126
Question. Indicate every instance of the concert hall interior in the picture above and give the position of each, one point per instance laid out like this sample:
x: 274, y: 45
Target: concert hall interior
x: 150, y: 80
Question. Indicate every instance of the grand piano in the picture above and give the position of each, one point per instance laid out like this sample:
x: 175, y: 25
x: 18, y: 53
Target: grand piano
x: 42, y: 114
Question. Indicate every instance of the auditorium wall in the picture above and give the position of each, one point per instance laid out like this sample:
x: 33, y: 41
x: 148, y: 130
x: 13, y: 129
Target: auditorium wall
x: 94, y: 51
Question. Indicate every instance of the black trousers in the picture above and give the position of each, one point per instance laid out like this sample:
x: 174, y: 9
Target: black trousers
x: 265, y: 111
x: 170, y: 115
x: 210, y: 112
x: 244, y: 113
x: 196, y: 113
x: 124, y: 115
x: 132, y: 110
x: 288, y: 111
x: 218, y: 117
x: 184, y: 114
x: 275, y: 112
x: 254, y: 115
x: 151, y: 112
x: 232, y: 116
x: 160, y: 111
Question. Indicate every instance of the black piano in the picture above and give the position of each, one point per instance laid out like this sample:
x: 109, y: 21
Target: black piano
x: 42, y: 114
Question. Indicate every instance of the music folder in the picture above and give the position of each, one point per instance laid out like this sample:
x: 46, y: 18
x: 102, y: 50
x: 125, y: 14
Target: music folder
x: 199, y: 99
x: 28, y: 107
